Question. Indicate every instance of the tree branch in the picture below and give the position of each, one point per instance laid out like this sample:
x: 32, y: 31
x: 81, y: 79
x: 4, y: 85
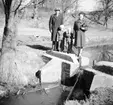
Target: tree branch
x: 26, y: 5
x: 4, y: 5
x: 41, y: 2
x: 68, y: 6
x: 18, y: 6
x: 3, y: 2
x: 94, y: 20
x: 73, y: 15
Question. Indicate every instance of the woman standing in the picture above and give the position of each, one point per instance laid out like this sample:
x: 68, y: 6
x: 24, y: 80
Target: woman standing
x: 79, y: 28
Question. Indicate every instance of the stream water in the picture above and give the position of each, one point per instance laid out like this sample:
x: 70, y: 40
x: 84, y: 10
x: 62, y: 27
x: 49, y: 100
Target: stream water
x: 48, y: 97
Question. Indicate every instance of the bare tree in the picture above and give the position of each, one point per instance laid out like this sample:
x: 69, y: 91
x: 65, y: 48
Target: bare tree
x: 69, y: 7
x: 104, y: 12
x: 68, y: 4
x: 8, y: 67
x: 107, y: 9
x: 95, y: 17
x: 36, y: 4
x: 42, y: 2
x: 35, y: 9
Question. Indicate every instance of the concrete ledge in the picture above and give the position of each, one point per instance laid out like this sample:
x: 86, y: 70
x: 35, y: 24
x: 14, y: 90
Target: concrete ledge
x: 105, y: 67
x: 51, y: 72
x: 104, y: 63
x: 100, y: 79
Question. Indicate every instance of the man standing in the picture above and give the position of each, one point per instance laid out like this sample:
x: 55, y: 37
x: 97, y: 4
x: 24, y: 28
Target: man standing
x: 79, y: 28
x: 54, y: 23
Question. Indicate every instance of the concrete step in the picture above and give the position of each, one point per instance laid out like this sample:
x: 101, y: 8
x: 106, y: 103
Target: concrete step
x: 51, y: 72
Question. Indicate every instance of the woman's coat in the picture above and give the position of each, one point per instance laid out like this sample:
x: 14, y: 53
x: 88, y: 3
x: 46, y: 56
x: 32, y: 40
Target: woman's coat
x: 79, y: 28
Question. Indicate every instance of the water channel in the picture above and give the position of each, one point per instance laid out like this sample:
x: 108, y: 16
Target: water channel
x: 50, y: 96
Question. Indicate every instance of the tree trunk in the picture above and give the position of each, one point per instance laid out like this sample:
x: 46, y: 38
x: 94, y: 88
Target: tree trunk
x: 9, y: 72
x: 10, y: 33
x: 105, y: 22
x: 7, y: 64
x: 12, y: 64
x: 9, y: 69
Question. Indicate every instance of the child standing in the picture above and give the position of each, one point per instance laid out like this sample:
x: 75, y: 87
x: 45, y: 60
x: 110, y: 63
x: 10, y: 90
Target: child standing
x: 69, y: 40
x: 60, y: 34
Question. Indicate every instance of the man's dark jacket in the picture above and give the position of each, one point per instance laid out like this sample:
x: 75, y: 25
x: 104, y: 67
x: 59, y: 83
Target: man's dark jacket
x: 54, y: 23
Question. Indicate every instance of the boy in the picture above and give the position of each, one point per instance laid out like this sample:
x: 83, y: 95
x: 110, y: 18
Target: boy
x: 69, y: 40
x: 60, y: 34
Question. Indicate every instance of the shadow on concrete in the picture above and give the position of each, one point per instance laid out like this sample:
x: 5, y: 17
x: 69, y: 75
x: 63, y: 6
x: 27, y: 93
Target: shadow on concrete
x: 60, y: 55
x: 40, y: 47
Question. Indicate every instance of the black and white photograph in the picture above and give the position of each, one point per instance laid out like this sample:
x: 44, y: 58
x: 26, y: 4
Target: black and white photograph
x: 56, y: 52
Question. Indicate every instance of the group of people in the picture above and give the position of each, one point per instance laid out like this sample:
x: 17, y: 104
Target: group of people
x: 62, y: 37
